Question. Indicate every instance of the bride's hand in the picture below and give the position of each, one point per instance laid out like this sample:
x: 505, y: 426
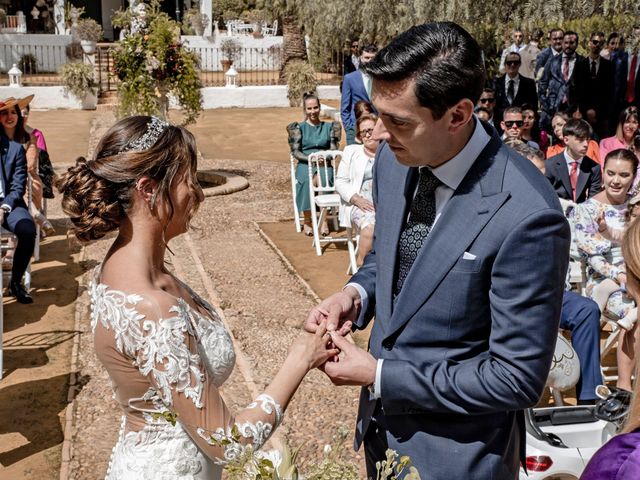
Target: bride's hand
x: 314, y: 349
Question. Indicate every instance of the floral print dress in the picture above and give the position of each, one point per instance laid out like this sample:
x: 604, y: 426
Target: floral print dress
x: 604, y: 257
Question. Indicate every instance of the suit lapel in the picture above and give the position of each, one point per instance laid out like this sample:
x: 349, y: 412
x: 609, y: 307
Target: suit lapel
x: 4, y: 149
x: 389, y: 233
x: 473, y: 204
x: 583, y: 177
x: 563, y: 174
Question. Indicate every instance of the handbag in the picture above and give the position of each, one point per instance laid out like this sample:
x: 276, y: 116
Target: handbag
x: 46, y: 173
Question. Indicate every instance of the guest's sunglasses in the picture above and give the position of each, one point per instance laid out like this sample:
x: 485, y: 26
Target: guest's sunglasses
x: 487, y: 100
x: 511, y: 123
x: 511, y: 63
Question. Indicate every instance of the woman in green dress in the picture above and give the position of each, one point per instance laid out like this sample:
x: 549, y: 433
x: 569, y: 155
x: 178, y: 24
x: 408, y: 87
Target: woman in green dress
x: 305, y: 138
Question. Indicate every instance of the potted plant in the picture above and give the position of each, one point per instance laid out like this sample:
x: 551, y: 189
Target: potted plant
x: 196, y: 20
x: 230, y: 49
x: 89, y: 32
x: 78, y: 79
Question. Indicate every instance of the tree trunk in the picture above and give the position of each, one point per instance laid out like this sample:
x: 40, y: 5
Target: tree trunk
x: 294, y: 48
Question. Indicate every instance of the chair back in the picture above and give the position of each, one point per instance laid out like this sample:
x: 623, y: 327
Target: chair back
x: 321, y: 163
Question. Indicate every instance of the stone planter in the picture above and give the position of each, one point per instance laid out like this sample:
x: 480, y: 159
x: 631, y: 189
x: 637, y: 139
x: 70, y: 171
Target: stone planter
x: 88, y: 46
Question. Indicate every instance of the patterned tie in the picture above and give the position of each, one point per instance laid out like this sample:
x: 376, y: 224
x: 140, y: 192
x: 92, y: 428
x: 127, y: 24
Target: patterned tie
x: 631, y: 83
x: 565, y: 69
x: 573, y: 176
x: 421, y: 218
x: 510, y: 91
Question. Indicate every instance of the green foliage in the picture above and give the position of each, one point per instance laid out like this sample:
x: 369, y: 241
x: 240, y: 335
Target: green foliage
x: 301, y: 77
x: 78, y: 79
x: 334, y: 466
x: 392, y: 467
x: 152, y: 63
x: 3, y: 16
x: 88, y: 29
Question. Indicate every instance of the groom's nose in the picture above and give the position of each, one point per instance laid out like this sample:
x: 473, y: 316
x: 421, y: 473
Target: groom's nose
x: 380, y: 132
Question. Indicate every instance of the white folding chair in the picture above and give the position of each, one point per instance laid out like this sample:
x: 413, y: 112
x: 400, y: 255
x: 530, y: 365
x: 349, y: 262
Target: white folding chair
x: 323, y: 198
x: 272, y: 30
x: 298, y: 219
x: 353, y: 243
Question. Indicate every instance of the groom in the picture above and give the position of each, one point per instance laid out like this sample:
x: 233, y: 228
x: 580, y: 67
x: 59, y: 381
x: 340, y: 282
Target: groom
x: 465, y: 279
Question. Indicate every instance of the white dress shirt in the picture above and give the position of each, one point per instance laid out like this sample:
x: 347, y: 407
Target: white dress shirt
x: 597, y: 60
x: 572, y: 63
x: 451, y: 174
x: 569, y: 159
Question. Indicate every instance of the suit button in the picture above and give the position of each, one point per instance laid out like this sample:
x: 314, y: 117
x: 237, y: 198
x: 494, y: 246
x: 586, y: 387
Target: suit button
x: 387, y: 344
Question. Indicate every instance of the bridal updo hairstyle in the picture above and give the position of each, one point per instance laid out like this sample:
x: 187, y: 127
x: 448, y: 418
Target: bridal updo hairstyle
x: 97, y: 193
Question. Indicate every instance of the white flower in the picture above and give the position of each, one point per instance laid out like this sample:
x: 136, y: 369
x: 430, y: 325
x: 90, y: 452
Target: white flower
x: 327, y: 449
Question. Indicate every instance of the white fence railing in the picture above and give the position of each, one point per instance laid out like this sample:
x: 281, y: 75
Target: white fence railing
x: 33, y: 53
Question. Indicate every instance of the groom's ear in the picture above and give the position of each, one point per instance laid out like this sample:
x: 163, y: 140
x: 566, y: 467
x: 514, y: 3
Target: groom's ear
x: 459, y: 115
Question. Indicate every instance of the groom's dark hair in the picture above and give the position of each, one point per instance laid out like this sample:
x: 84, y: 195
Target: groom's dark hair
x: 443, y: 58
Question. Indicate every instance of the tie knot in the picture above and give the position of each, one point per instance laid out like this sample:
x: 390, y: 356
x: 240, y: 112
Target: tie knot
x: 428, y: 179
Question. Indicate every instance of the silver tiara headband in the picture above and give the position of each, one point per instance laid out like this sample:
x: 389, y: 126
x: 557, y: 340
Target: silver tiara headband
x: 155, y: 128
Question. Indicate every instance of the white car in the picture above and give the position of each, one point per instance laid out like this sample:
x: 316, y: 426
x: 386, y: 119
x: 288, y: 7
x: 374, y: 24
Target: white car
x: 561, y: 440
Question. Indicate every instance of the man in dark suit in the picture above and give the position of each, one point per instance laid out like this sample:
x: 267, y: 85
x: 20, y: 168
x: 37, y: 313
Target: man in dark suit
x: 14, y: 215
x: 572, y: 174
x: 556, y: 36
x: 466, y: 314
x: 512, y: 89
x: 596, y: 101
x: 355, y: 87
x: 351, y: 60
x: 626, y: 77
x: 563, y: 82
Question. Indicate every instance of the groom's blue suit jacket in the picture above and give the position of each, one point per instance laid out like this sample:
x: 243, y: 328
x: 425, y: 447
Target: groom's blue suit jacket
x: 468, y: 342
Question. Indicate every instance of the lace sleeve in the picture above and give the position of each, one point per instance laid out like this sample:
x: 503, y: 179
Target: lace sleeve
x: 160, y: 340
x: 295, y: 141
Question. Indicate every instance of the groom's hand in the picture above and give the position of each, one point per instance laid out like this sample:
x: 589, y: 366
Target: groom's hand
x: 354, y: 366
x: 340, y: 310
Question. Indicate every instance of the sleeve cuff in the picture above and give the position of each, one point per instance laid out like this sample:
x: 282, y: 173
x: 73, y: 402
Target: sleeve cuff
x: 7, y: 208
x: 377, y: 384
x: 361, y: 291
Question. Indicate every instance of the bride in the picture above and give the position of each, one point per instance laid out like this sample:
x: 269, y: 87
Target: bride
x: 165, y: 348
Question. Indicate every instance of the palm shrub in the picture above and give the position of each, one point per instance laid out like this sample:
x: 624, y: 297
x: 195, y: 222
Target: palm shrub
x: 301, y: 78
x: 151, y: 64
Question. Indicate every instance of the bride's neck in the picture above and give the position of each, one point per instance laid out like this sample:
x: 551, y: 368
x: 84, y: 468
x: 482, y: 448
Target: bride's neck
x: 145, y: 245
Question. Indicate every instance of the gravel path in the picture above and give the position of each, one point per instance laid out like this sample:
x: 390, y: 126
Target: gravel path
x: 263, y: 303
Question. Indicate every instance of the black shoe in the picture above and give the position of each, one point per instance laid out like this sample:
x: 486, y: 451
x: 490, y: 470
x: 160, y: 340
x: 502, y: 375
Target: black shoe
x: 17, y: 290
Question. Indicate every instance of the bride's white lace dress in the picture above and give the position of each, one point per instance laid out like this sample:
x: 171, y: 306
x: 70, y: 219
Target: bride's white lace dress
x: 166, y: 360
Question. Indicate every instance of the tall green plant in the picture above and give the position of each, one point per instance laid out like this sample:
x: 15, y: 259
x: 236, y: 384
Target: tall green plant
x: 152, y: 64
x: 301, y: 78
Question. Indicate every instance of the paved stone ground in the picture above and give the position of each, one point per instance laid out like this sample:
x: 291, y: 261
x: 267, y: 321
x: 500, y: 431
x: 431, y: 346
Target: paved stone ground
x: 263, y: 302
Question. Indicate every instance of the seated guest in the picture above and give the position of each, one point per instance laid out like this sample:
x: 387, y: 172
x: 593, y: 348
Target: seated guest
x: 604, y: 257
x: 12, y: 127
x: 619, y: 458
x: 626, y: 129
x: 572, y: 174
x: 305, y: 138
x: 512, y: 89
x: 354, y: 182
x: 580, y: 315
x: 558, y: 122
x: 530, y: 131
x: 14, y: 214
x: 512, y: 124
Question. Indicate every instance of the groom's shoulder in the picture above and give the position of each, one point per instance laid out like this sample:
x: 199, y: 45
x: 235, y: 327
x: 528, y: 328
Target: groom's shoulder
x: 527, y: 186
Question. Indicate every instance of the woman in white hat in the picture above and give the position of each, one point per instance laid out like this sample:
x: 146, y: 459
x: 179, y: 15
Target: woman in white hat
x: 12, y: 127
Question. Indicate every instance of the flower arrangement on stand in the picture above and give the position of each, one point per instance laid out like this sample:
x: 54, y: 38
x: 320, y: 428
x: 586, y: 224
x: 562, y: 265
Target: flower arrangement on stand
x: 152, y: 63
